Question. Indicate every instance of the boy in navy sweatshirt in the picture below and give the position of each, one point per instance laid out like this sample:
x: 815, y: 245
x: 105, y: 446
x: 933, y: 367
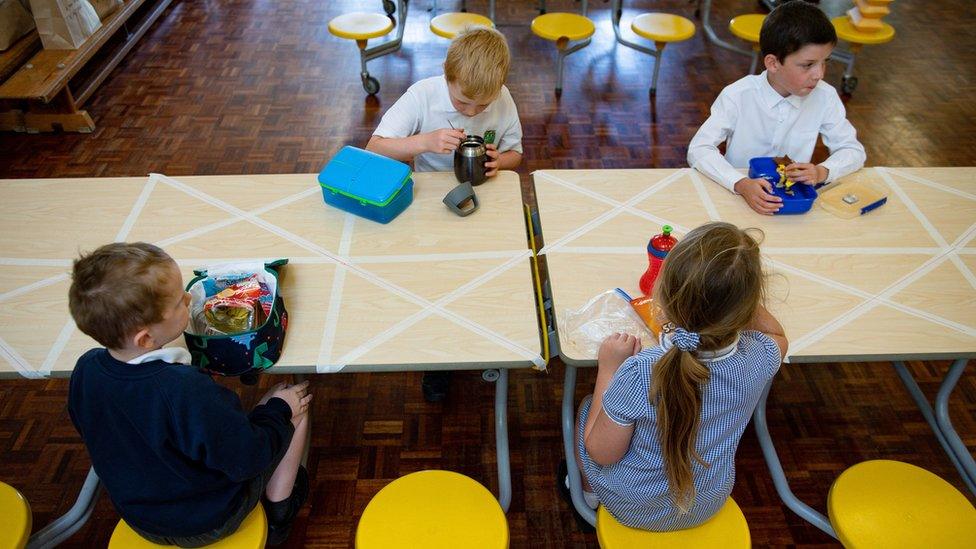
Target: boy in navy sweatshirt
x: 181, y: 460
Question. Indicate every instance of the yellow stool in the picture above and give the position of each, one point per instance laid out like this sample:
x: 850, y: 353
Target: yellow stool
x: 747, y: 27
x: 448, y: 25
x: 15, y: 518
x: 564, y: 28
x: 433, y: 509
x: 727, y: 529
x: 891, y: 504
x: 856, y: 40
x: 252, y: 534
x: 661, y: 28
x: 362, y: 26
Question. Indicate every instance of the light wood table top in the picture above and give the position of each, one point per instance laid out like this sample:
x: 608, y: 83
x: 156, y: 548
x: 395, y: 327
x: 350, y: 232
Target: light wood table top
x: 430, y: 290
x: 895, y: 284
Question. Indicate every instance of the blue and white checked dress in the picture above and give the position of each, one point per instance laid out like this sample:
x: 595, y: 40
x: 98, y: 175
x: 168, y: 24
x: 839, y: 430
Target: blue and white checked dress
x: 635, y: 489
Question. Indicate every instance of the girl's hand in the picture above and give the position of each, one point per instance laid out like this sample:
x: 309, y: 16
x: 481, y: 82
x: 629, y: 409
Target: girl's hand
x: 491, y: 166
x: 297, y: 397
x: 616, y: 349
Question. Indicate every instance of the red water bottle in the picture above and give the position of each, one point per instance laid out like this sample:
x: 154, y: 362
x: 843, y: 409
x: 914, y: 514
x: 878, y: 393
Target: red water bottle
x: 657, y: 250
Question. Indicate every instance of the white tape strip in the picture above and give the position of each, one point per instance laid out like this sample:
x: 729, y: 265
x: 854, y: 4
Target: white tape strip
x: 410, y: 258
x: 299, y: 241
x: 814, y: 251
x: 33, y: 286
x: 436, y: 307
x: 18, y: 362
x: 931, y: 183
x: 620, y: 207
x: 34, y: 262
x: 861, y: 309
x: 58, y: 347
x: 933, y: 232
x: 703, y: 195
x: 335, y: 301
x: 137, y: 207
x: 230, y: 221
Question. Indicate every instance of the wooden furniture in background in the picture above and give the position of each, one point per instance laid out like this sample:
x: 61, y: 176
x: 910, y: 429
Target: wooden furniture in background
x: 50, y: 86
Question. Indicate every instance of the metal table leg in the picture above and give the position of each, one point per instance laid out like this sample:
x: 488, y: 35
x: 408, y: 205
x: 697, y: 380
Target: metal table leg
x: 940, y: 422
x: 806, y: 512
x: 569, y: 436
x: 501, y: 440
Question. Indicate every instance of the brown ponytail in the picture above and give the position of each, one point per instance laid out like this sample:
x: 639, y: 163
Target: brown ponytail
x: 711, y: 284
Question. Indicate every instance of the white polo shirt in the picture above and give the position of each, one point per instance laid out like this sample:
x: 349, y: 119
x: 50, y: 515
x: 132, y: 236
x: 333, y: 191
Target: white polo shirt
x: 426, y: 106
x: 755, y: 120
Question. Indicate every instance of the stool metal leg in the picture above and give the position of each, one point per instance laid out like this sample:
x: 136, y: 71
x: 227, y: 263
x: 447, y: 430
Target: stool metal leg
x: 67, y: 524
x: 563, y: 52
x: 706, y: 10
x: 615, y: 13
x: 755, y: 62
x: 569, y: 446
x: 780, y: 481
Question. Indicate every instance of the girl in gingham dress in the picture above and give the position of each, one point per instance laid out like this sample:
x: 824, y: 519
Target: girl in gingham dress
x: 657, y: 440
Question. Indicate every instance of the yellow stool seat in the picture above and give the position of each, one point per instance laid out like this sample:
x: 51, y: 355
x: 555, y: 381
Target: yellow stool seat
x: 432, y: 509
x: 360, y: 25
x: 727, y: 529
x: 846, y: 32
x: 891, y: 504
x: 448, y: 25
x: 252, y: 534
x: 569, y: 26
x: 15, y: 518
x: 663, y: 27
x: 747, y: 26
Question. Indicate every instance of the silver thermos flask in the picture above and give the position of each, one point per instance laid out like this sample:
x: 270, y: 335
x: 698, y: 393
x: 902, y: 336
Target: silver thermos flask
x: 469, y: 160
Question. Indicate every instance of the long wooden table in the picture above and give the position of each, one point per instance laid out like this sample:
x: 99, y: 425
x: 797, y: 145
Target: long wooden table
x: 893, y: 285
x: 430, y: 290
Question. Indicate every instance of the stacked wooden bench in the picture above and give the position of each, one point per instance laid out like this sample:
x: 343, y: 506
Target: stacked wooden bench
x: 43, y: 90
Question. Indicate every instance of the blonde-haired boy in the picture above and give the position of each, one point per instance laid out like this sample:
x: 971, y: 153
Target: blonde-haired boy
x: 429, y: 121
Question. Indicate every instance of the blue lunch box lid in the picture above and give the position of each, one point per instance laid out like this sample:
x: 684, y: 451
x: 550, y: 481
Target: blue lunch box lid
x: 365, y: 176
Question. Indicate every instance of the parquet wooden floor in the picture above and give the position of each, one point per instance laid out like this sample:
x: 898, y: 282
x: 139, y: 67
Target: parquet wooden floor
x: 242, y: 86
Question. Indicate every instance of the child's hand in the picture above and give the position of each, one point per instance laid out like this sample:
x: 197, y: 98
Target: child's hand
x: 616, y: 349
x: 491, y: 166
x: 297, y: 397
x: 444, y: 140
x: 267, y: 396
x: 806, y: 173
x: 758, y: 194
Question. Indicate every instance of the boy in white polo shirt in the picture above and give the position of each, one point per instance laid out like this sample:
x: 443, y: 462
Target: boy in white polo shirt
x: 780, y: 112
x: 429, y: 121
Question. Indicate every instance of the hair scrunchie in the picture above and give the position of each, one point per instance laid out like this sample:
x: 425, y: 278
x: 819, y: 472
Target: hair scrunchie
x: 685, y: 340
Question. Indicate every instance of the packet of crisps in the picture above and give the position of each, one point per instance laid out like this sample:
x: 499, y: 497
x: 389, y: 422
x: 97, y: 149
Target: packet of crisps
x: 645, y: 308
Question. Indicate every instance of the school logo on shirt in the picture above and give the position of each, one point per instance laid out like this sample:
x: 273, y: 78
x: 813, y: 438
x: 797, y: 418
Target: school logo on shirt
x: 489, y: 137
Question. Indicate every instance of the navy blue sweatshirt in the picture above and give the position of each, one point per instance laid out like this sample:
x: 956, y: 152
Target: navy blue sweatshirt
x: 174, y: 450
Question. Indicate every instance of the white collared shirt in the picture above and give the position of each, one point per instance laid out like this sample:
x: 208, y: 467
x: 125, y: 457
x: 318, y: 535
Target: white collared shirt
x: 173, y: 355
x: 426, y: 106
x: 755, y: 120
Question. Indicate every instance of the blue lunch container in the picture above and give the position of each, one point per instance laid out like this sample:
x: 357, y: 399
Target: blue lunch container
x: 803, y: 195
x: 367, y: 184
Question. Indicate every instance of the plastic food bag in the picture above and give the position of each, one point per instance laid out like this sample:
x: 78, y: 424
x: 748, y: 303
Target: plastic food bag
x: 231, y: 300
x: 603, y: 316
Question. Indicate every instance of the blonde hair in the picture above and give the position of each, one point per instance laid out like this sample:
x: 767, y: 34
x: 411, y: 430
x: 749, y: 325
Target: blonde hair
x: 478, y: 62
x: 712, y: 284
x: 119, y: 289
